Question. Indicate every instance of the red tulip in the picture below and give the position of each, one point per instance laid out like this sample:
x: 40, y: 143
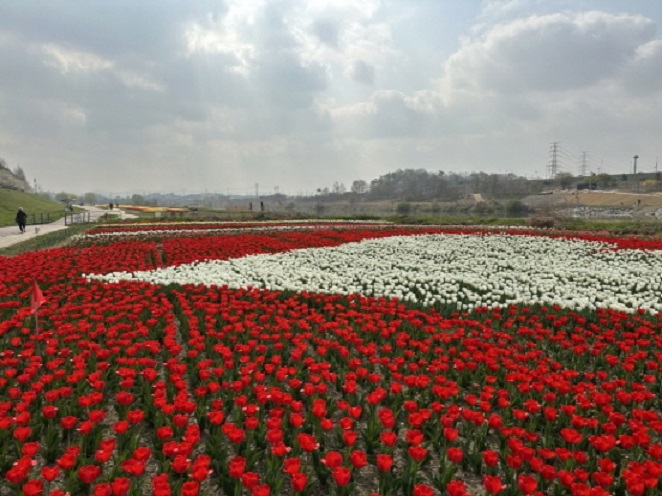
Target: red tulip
x: 190, y: 488
x: 450, y: 434
x: 456, y: 488
x: 236, y: 467
x: 89, y: 473
x: 526, y: 484
x: 417, y: 453
x: 332, y: 459
x: 291, y: 465
x: 250, y: 479
x: 34, y: 487
x: 307, y: 442
x: 422, y: 490
x: 384, y: 462
x: 120, y: 486
x: 21, y: 434
x: 124, y: 398
x: 298, y: 481
x: 454, y: 454
x: 389, y: 438
x: 571, y: 435
x: 103, y: 489
x: 358, y: 458
x: 349, y: 438
x: 261, y: 490
x: 342, y: 475
x: 493, y: 484
x: 414, y: 437
x: 50, y: 473
x: 180, y: 464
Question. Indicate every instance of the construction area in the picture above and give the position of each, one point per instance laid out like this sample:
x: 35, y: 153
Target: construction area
x: 598, y: 204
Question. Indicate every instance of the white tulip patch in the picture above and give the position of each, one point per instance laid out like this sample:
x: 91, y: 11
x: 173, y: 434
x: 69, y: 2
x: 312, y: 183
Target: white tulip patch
x: 466, y: 270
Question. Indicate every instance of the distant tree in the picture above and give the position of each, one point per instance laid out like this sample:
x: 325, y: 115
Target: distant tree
x: 439, y: 185
x: 18, y: 172
x: 137, y: 199
x: 565, y: 179
x: 407, y: 184
x: 359, y: 187
x: 339, y: 188
x: 3, y: 164
x: 90, y: 198
x: 481, y: 183
x: 605, y: 181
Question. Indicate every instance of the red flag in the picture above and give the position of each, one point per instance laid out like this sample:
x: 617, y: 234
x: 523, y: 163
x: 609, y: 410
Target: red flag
x: 37, y: 298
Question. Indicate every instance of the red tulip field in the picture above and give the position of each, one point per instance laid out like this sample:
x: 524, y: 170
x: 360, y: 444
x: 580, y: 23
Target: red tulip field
x: 332, y: 359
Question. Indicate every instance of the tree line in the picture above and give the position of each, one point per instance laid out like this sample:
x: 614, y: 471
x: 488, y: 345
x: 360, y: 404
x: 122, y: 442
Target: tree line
x: 424, y: 185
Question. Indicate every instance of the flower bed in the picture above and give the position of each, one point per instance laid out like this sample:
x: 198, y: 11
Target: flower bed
x: 133, y: 387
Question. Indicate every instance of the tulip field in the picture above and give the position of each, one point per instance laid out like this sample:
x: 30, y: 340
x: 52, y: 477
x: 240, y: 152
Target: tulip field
x: 332, y: 358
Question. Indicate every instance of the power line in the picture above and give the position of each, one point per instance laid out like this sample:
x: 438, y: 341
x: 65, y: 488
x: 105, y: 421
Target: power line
x: 565, y: 160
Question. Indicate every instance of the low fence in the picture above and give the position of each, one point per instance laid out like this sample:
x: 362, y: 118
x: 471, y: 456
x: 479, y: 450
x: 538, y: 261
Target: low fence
x: 35, y: 219
x: 77, y: 218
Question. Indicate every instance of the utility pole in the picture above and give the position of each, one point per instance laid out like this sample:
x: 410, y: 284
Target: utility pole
x: 636, y: 157
x: 554, y: 159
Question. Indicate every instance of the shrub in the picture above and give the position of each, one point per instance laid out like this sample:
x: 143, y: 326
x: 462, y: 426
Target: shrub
x: 403, y: 208
x: 515, y: 208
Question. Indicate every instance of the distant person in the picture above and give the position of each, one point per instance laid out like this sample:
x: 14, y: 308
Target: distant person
x: 110, y: 205
x: 21, y: 217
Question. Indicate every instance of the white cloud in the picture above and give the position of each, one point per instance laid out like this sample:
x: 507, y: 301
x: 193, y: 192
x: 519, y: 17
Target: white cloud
x: 327, y: 31
x: 644, y: 73
x: 220, y: 37
x: 71, y: 61
x: 361, y: 72
x: 339, y: 88
x: 548, y: 53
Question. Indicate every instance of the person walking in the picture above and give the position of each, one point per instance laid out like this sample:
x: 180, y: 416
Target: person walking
x: 21, y: 217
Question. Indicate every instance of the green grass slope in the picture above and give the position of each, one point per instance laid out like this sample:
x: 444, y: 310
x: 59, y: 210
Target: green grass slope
x: 11, y: 199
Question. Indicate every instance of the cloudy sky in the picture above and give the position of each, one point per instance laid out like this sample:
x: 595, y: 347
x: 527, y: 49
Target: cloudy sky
x: 294, y: 95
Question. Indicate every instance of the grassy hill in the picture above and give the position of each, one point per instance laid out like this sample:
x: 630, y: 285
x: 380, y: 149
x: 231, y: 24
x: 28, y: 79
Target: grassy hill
x: 11, y: 199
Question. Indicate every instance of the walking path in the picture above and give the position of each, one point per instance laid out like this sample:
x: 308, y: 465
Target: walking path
x: 10, y: 235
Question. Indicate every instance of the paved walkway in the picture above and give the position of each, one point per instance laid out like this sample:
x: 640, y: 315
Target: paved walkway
x: 11, y: 235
